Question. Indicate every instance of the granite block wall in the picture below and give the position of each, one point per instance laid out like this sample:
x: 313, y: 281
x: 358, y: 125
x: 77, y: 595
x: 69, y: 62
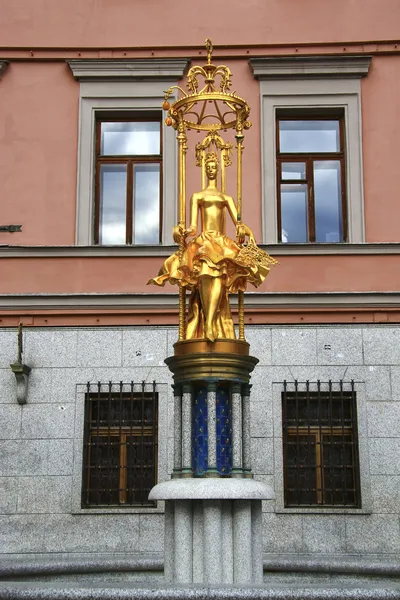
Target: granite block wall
x: 41, y: 442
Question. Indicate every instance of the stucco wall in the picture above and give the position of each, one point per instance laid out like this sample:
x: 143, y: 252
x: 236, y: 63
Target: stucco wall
x: 99, y: 23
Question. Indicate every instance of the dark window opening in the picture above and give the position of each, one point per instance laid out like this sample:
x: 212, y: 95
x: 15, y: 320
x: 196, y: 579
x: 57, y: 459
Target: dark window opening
x: 120, y: 444
x: 320, y: 445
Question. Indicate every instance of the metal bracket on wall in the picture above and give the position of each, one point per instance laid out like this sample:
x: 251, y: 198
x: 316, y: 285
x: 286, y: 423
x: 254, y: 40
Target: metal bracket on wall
x: 21, y: 371
x: 10, y: 228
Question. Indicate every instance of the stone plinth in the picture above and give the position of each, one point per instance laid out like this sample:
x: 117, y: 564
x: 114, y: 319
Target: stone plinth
x: 213, y: 529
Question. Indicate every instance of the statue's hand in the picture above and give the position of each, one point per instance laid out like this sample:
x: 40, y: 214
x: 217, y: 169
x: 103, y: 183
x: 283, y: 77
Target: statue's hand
x: 179, y: 232
x: 190, y: 231
x: 242, y: 231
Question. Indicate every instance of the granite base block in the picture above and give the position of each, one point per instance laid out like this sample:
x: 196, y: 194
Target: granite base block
x: 15, y: 591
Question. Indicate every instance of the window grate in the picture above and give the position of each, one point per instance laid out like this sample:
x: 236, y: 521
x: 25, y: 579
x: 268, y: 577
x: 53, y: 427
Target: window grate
x: 120, y: 444
x: 320, y: 444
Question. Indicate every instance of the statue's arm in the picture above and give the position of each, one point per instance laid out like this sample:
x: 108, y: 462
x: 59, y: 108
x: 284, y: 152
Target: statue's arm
x: 194, y: 214
x: 241, y: 229
x: 230, y: 203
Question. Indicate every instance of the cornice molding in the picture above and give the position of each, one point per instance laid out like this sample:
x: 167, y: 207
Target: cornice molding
x: 11, y: 251
x: 161, y: 301
x: 3, y: 66
x: 306, y: 67
x: 156, y: 69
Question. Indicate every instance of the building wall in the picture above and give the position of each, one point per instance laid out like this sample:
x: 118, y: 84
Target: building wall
x: 100, y: 23
x: 41, y: 442
x: 39, y: 150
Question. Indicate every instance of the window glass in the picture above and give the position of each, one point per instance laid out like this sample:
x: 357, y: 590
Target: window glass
x: 128, y: 196
x: 294, y: 212
x: 135, y: 138
x: 328, y: 201
x: 112, y: 226
x: 293, y: 170
x: 309, y: 152
x: 146, y: 219
x: 309, y: 136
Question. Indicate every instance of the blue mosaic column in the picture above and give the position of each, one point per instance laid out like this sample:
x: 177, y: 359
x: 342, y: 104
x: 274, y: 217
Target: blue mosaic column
x: 224, y: 431
x: 200, y: 431
x: 212, y: 430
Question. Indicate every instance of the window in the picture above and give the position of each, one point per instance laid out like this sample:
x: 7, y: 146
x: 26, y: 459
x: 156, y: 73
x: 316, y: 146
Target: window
x: 120, y: 445
x: 129, y: 92
x: 312, y: 91
x: 320, y: 446
x: 128, y: 180
x: 311, y: 179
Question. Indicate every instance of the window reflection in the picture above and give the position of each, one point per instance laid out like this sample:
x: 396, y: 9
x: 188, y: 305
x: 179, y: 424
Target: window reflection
x: 112, y: 204
x: 328, y: 205
x: 294, y: 212
x: 293, y: 170
x: 146, y: 221
x: 309, y: 136
x: 130, y: 138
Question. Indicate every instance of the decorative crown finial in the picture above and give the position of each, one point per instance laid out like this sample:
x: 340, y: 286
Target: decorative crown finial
x: 209, y: 48
x: 208, y: 106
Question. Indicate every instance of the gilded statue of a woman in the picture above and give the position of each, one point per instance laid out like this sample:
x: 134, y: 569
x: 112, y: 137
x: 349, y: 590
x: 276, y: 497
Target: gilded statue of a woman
x: 212, y: 264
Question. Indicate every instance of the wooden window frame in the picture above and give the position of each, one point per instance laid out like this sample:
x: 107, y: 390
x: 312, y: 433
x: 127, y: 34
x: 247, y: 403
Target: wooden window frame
x: 305, y: 426
x: 130, y: 161
x: 318, y: 433
x: 309, y: 158
x: 122, y: 432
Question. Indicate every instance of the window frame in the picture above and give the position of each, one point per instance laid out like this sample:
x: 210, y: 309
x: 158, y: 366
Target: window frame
x: 122, y: 432
x: 111, y: 86
x: 306, y: 83
x: 317, y: 431
x: 309, y: 158
x: 363, y: 453
x: 130, y: 161
x: 163, y: 467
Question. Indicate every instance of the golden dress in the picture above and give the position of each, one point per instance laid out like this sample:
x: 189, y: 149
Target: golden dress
x: 214, y: 254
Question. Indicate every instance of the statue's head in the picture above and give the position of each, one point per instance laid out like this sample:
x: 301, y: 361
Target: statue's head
x: 211, y: 165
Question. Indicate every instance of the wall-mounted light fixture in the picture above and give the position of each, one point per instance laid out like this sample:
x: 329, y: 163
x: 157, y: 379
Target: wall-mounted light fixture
x: 21, y: 371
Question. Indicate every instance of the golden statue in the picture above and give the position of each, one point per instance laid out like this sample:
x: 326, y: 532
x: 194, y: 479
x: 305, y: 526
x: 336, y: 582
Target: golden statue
x: 211, y: 265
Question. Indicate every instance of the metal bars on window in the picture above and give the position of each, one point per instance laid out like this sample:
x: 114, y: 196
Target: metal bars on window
x: 320, y: 444
x: 120, y: 444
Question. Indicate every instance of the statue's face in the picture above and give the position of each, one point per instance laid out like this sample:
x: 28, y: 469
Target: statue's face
x: 211, y: 169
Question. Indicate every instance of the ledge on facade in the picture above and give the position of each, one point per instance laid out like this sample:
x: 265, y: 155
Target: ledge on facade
x: 301, y: 67
x: 25, y: 566
x: 164, y: 301
x: 142, y: 591
x: 138, y: 69
x: 81, y: 251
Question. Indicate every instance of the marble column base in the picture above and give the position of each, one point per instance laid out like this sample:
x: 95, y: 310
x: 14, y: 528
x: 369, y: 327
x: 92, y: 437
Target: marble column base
x: 213, y: 530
